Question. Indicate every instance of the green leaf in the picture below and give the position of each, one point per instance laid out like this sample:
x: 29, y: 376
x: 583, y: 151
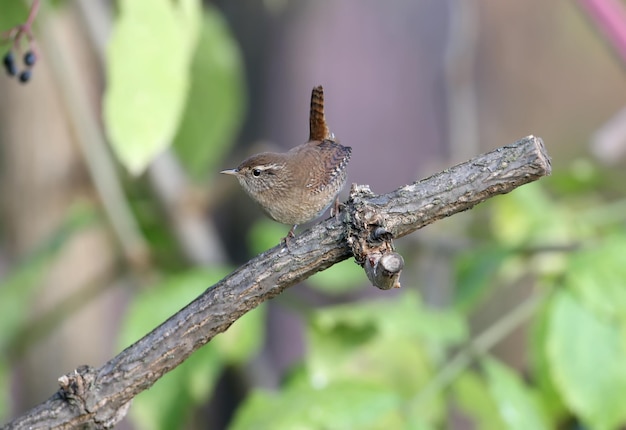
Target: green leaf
x: 472, y: 396
x: 587, y: 355
x: 148, y: 61
x: 516, y: 403
x: 400, y: 317
x: 598, y: 275
x: 13, y: 13
x: 215, y: 107
x: 344, y: 405
x: 399, y: 362
x: 394, y: 341
x: 547, y: 392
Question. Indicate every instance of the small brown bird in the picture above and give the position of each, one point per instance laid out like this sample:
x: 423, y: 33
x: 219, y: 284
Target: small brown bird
x: 299, y: 185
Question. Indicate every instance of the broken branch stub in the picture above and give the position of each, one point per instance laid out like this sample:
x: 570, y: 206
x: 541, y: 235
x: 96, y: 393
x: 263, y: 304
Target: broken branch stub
x: 371, y: 243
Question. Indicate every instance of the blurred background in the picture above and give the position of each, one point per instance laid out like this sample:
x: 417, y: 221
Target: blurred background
x: 113, y: 215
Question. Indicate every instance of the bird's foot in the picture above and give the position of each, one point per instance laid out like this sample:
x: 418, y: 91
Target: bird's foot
x: 289, y: 236
x: 335, y: 208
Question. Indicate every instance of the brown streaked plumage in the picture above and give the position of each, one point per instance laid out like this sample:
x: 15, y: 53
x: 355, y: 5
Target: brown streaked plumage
x: 299, y: 185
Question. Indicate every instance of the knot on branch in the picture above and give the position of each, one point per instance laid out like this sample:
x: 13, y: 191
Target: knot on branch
x: 76, y: 385
x: 77, y: 389
x: 370, y: 241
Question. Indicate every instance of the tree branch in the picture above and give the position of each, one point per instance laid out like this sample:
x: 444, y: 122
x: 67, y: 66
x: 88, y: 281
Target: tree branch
x: 99, y: 398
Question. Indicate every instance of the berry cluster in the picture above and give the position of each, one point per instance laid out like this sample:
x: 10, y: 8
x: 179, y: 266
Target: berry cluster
x: 11, y: 68
x: 15, y: 36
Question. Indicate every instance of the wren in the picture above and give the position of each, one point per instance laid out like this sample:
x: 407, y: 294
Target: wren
x: 299, y: 185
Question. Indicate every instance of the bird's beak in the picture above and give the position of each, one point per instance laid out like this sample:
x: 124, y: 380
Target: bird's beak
x: 230, y: 171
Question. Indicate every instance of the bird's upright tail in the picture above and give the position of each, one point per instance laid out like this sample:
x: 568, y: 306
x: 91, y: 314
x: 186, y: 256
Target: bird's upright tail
x: 318, y: 130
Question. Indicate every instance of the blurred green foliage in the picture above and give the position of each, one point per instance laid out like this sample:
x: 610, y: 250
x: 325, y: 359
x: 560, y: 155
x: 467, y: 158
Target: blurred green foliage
x: 215, y: 105
x: 586, y: 355
x: 365, y: 361
x: 13, y: 13
x: 148, y: 76
x: 576, y: 348
x: 471, y: 395
x: 338, y: 405
x: 20, y: 286
x: 175, y: 77
x: 171, y: 399
x: 516, y: 403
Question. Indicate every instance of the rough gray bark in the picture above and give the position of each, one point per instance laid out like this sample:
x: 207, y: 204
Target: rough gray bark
x: 99, y: 398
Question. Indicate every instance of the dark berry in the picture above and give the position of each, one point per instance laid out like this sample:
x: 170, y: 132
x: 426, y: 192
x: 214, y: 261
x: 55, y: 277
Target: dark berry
x: 8, y: 58
x: 25, y: 76
x: 11, y: 69
x: 29, y: 58
x: 9, y: 64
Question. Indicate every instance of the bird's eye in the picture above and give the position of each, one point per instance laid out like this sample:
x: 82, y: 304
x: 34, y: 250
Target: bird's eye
x: 256, y: 172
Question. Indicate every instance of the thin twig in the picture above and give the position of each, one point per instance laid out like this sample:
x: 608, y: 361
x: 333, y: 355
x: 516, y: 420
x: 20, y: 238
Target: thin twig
x: 477, y: 347
x: 25, y: 29
x: 92, y: 142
